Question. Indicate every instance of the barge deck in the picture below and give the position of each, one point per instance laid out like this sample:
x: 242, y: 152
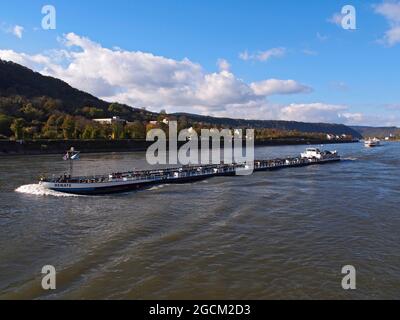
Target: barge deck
x: 134, y: 180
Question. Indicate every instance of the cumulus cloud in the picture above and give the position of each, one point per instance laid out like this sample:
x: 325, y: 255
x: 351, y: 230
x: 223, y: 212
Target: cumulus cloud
x: 306, y: 112
x: 391, y: 11
x: 319, y: 112
x: 382, y: 119
x: 275, y: 86
x: 223, y: 65
x: 334, y: 113
x: 145, y: 80
x: 263, y: 55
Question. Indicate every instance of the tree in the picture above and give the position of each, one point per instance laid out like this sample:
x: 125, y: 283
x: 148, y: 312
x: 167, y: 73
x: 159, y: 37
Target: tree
x: 182, y: 123
x: 31, y: 113
x: 68, y: 127
x: 117, y: 131
x: 117, y: 109
x: 80, y: 124
x: 30, y: 132
x: 87, y: 133
x: 17, y: 128
x: 5, y: 123
x: 97, y: 133
x: 49, y: 130
x: 50, y: 105
x: 92, y: 113
x: 162, y: 115
x: 136, y: 130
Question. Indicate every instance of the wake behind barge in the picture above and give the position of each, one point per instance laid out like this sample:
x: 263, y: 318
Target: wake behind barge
x: 134, y: 180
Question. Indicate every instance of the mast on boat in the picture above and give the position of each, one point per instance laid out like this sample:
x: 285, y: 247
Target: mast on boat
x: 71, y: 156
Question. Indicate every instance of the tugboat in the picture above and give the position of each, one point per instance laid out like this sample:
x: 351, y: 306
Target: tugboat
x: 134, y: 180
x: 370, y: 143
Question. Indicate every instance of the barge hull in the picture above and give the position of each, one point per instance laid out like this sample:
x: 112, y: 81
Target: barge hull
x: 115, y: 187
x: 120, y: 188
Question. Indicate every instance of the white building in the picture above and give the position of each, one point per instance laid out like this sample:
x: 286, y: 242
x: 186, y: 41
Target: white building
x: 330, y: 136
x: 112, y: 120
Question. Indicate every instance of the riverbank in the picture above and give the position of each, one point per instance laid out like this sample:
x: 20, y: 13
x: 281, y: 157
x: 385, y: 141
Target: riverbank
x: 34, y: 147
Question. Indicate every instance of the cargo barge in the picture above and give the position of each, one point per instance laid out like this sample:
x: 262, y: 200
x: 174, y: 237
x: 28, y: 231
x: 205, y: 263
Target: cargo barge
x: 135, y: 180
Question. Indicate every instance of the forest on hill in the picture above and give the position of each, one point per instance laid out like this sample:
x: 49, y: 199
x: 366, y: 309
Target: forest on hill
x: 379, y: 132
x: 33, y: 106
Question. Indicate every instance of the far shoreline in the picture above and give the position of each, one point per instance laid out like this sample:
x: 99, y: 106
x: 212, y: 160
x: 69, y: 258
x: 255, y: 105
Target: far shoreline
x: 39, y: 147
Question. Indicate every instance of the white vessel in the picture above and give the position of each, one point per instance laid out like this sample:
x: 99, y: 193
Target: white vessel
x: 370, y: 143
x: 315, y: 153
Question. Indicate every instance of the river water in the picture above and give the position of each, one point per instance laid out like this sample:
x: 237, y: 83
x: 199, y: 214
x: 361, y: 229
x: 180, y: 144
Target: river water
x: 273, y: 235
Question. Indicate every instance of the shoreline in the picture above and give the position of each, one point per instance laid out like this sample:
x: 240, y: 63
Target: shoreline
x: 38, y: 147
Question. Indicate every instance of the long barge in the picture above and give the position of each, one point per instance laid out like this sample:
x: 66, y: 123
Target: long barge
x: 134, y: 180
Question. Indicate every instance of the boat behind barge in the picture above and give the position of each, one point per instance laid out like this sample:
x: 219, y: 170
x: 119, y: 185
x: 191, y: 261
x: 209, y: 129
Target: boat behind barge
x: 134, y: 180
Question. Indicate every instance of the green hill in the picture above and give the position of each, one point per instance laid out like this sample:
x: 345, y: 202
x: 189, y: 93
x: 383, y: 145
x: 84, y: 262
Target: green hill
x: 337, y: 129
x: 20, y: 83
x: 33, y: 102
x: 379, y: 132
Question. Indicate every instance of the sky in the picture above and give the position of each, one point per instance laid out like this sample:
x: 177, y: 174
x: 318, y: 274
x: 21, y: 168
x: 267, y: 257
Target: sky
x: 265, y: 59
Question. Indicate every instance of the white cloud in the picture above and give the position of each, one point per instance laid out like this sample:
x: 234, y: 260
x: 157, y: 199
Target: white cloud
x: 334, y: 113
x: 244, y: 55
x: 318, y: 112
x: 392, y: 36
x: 321, y: 37
x: 30, y: 61
x: 336, y: 19
x: 275, y: 86
x: 393, y: 106
x: 146, y: 80
x: 391, y: 11
x: 263, y: 55
x: 382, y: 119
x: 340, y: 86
x: 223, y: 65
x: 305, y: 112
x: 353, y: 118
x: 309, y: 52
x: 17, y: 31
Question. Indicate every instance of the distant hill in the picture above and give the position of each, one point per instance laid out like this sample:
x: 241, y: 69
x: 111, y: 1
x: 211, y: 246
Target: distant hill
x: 337, y: 129
x: 19, y: 81
x: 34, y: 97
x: 379, y: 132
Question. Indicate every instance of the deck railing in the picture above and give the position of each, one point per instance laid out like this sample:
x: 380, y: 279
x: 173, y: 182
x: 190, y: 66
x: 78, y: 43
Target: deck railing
x: 187, y: 171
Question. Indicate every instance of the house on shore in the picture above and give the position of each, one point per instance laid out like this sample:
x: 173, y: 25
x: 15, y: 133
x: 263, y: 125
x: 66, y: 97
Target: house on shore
x: 112, y: 120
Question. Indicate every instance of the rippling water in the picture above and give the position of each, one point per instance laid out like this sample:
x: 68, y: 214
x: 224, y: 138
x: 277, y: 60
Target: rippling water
x: 272, y: 235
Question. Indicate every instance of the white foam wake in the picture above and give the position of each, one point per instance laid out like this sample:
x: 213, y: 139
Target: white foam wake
x: 38, y: 190
x: 350, y: 159
x: 158, y: 187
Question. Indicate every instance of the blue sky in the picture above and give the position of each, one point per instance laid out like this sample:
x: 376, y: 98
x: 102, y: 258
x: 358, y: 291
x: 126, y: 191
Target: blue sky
x: 280, y: 59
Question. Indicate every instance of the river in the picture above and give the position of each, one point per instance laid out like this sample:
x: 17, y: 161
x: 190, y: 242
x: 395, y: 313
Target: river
x: 273, y: 235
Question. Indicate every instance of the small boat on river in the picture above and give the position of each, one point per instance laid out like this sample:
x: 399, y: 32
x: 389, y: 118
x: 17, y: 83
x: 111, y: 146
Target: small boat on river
x: 370, y: 143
